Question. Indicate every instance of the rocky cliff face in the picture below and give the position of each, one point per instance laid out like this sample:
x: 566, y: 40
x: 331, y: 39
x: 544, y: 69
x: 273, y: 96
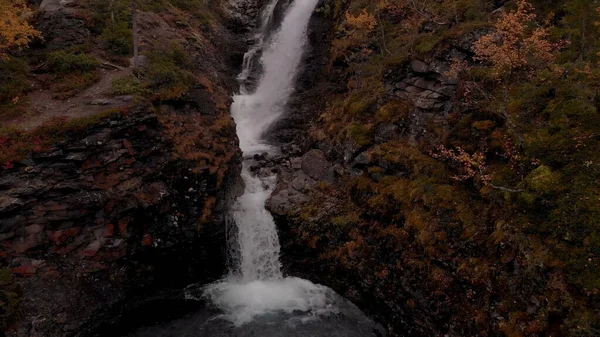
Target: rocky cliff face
x: 105, y: 214
x: 132, y: 201
x: 368, y: 202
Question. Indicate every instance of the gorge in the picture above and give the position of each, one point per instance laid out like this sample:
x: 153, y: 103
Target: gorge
x: 300, y: 168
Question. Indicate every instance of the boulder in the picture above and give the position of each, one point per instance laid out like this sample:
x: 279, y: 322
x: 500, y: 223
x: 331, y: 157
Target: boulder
x: 286, y: 201
x: 419, y: 66
x: 315, y: 165
x: 303, y: 183
x: 61, y: 30
x: 362, y: 160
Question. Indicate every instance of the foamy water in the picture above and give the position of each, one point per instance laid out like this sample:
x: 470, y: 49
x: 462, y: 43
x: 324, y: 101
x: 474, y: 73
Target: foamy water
x: 243, y: 301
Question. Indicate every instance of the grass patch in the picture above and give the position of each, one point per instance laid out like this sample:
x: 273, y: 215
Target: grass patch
x: 63, y: 62
x: 70, y: 85
x: 71, y: 73
x: 128, y: 85
x: 168, y: 76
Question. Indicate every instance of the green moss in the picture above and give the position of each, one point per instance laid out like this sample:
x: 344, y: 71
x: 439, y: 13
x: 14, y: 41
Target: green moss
x: 72, y: 84
x: 105, y: 13
x: 543, y: 180
x: 427, y: 43
x: 393, y: 111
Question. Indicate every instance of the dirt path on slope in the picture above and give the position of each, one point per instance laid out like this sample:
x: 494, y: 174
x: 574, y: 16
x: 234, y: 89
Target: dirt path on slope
x: 42, y: 107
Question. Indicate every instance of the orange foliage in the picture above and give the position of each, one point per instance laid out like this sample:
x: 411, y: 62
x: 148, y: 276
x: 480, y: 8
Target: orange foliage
x: 363, y: 21
x: 15, y: 31
x: 514, y: 45
x: 470, y: 165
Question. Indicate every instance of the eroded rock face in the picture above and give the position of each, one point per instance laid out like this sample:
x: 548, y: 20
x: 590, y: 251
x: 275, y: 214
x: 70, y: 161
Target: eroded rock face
x: 106, y: 214
x: 297, y: 177
x: 320, y: 228
x: 61, y: 29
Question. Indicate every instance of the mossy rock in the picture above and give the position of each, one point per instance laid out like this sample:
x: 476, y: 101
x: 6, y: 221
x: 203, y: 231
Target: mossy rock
x: 543, y: 180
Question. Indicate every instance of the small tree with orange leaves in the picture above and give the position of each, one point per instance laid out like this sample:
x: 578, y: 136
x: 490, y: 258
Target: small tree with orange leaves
x: 359, y: 27
x: 15, y: 31
x: 514, y: 45
x: 357, y: 30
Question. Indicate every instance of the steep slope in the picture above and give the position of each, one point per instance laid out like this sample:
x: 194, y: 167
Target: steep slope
x: 104, y: 211
x: 449, y: 180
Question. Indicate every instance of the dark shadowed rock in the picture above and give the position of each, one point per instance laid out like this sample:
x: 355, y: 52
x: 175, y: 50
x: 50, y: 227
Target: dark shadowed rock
x: 113, y: 202
x: 361, y: 160
x: 61, y: 30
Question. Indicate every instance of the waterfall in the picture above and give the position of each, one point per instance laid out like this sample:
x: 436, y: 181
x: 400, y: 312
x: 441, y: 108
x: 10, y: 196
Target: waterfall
x: 280, y: 59
x: 256, y: 285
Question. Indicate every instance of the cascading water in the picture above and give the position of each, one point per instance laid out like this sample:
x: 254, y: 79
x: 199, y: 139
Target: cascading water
x: 256, y: 286
x: 255, y: 296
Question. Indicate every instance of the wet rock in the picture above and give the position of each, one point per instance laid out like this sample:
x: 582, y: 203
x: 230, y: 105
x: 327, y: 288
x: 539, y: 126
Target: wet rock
x: 350, y: 149
x: 91, y: 203
x: 425, y: 103
x: 291, y: 149
x: 9, y: 181
x: 339, y: 169
x: 22, y: 244
x: 48, y: 155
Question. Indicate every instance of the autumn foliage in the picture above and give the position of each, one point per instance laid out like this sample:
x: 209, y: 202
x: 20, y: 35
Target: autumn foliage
x: 15, y: 31
x: 488, y: 205
x: 514, y: 45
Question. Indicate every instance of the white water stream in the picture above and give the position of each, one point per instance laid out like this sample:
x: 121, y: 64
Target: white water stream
x: 256, y: 286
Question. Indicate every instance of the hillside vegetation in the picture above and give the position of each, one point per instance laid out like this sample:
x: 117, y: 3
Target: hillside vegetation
x: 485, y: 215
